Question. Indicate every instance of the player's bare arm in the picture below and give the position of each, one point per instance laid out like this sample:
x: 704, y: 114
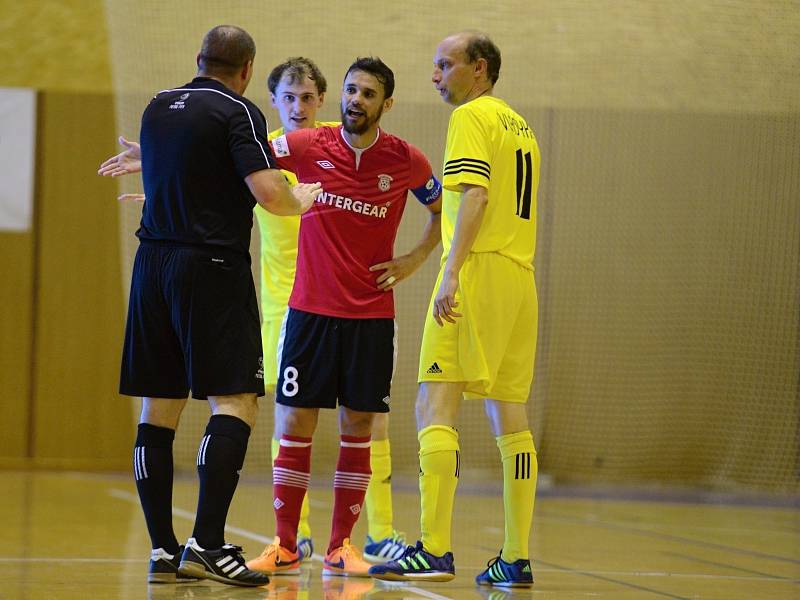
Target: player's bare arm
x: 402, y: 267
x: 470, y: 216
x: 126, y: 162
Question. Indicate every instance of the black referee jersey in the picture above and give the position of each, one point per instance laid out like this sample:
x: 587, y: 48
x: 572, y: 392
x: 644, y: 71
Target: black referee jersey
x: 199, y: 142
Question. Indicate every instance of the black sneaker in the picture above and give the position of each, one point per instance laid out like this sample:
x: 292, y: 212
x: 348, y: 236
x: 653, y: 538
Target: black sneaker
x: 225, y: 565
x: 164, y: 567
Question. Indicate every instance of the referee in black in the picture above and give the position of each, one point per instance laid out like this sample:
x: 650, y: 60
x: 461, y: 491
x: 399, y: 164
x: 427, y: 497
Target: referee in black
x: 193, y: 319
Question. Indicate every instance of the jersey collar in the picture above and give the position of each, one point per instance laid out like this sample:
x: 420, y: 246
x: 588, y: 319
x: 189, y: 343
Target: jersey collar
x: 358, y: 152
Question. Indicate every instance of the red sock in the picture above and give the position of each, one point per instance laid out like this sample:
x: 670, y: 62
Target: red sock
x: 290, y: 474
x: 349, y: 487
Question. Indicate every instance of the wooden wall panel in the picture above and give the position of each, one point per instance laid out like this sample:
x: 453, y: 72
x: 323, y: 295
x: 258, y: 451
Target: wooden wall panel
x: 16, y: 275
x: 79, y: 418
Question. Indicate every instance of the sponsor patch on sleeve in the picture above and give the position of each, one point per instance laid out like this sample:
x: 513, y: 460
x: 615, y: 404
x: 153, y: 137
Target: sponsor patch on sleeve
x: 280, y: 146
x: 429, y: 191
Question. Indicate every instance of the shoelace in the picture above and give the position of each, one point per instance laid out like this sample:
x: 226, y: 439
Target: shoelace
x: 411, y: 550
x: 349, y: 550
x: 234, y: 551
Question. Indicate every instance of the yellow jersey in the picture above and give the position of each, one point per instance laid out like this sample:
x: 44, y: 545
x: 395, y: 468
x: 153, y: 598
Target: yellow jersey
x: 490, y: 145
x: 278, y: 249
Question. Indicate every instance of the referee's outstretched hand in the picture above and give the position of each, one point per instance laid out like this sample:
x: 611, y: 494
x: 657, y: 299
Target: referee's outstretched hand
x: 124, y: 163
x: 306, y: 193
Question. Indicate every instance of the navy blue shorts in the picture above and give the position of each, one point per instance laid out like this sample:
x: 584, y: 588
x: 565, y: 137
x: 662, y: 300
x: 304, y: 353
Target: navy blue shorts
x: 193, y: 324
x: 328, y: 359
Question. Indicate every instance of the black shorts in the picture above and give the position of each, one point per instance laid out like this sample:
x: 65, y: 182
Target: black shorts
x: 193, y: 324
x: 325, y: 359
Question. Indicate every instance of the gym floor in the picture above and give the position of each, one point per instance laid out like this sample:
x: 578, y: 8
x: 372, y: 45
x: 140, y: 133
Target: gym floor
x: 82, y: 535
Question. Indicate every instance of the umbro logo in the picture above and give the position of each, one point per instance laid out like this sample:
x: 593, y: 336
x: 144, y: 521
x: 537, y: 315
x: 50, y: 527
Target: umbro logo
x: 434, y: 368
x: 278, y: 503
x: 355, y: 509
x: 326, y: 164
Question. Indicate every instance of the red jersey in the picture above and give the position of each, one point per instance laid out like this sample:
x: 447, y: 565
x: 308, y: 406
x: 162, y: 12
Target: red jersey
x: 353, y: 223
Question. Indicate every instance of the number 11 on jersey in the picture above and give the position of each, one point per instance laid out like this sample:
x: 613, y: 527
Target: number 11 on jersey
x: 524, y: 184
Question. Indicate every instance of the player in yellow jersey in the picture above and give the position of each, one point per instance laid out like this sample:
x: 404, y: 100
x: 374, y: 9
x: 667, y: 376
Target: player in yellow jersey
x: 297, y: 90
x: 479, y: 340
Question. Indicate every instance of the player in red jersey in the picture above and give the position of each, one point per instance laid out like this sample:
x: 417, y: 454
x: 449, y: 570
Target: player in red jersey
x: 338, y: 338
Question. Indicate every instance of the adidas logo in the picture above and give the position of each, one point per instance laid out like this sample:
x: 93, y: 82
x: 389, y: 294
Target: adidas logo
x: 434, y: 368
x: 527, y: 569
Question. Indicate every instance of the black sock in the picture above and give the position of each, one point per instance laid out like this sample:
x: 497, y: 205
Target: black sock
x: 152, y: 469
x: 219, y: 460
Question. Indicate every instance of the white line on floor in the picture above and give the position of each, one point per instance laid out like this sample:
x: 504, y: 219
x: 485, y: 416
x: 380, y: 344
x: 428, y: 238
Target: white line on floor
x: 62, y: 559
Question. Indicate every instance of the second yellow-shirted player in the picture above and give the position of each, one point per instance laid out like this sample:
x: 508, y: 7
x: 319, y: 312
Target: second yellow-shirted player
x: 297, y: 90
x: 479, y: 339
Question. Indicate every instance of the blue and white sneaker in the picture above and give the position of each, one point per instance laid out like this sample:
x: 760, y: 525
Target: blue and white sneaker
x: 390, y: 548
x: 305, y: 548
x: 416, y: 565
x: 503, y: 574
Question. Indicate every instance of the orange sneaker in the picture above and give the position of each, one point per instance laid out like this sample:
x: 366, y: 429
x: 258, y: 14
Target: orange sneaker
x: 345, y: 561
x: 276, y: 560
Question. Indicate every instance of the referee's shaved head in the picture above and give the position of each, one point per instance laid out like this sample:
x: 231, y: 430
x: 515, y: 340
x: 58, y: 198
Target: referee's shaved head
x: 225, y: 50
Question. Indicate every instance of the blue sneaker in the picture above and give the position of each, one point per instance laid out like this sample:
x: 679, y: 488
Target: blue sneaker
x: 390, y: 548
x: 503, y: 574
x: 305, y: 548
x: 416, y: 565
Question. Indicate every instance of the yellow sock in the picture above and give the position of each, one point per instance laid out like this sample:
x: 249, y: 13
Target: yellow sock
x: 379, y: 492
x: 438, y: 478
x: 303, y: 528
x: 519, y: 491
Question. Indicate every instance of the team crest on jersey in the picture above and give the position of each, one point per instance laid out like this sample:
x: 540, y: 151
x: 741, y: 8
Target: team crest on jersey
x: 384, y: 182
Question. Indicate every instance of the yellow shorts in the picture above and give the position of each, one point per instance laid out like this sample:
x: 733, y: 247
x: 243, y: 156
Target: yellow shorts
x: 493, y: 345
x: 270, y: 334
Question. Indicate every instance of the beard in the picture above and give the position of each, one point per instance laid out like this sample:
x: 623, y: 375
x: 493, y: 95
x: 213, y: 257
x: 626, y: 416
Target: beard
x: 357, y: 129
